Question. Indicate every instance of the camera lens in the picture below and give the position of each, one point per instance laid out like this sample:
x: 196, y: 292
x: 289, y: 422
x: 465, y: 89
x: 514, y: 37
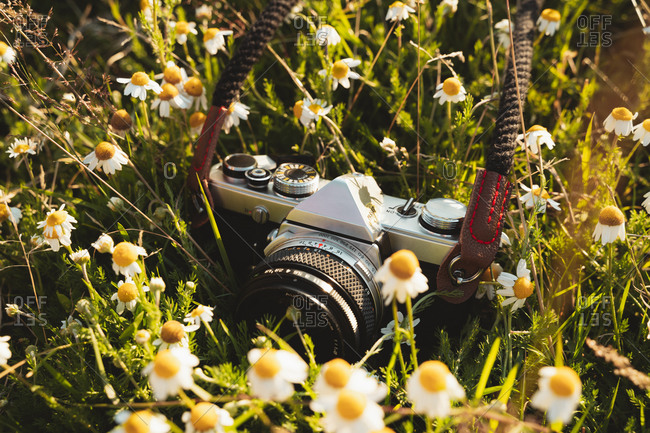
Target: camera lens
x: 236, y: 165
x: 329, y: 295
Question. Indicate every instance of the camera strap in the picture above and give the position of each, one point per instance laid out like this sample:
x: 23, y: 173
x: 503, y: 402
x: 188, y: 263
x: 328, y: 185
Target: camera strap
x: 226, y: 92
x: 480, y: 235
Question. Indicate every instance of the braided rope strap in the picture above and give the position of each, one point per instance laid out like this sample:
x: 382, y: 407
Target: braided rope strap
x: 226, y: 92
x: 480, y: 235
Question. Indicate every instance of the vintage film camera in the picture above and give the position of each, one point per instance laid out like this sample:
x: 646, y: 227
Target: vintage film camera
x: 317, y: 244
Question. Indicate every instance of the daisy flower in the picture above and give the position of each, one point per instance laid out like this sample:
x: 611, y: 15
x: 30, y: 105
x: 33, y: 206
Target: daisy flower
x: 338, y: 375
x: 142, y: 336
x: 236, y: 112
x: 106, y: 157
x: 170, y: 371
x: 200, y: 314
x: 559, y: 393
x: 389, y: 146
x: 341, y: 73
x: 214, y: 39
x: 126, y: 296
x: 138, y: 85
x: 80, y: 257
x: 312, y: 111
x: 646, y: 202
x: 5, y: 352
x: 389, y: 330
x: 549, y: 21
x: 174, y: 75
x: 195, y: 90
x: 353, y: 412
x: 183, y: 28
x: 71, y: 326
x: 450, y: 90
x: 489, y: 275
x: 7, y: 212
x: 125, y: 259
x: 620, y: 121
x: 449, y: 5
x: 103, y: 244
x: 535, y: 137
x: 401, y: 277
x: 516, y: 287
x: 611, y: 225
x: 172, y: 334
x: 170, y: 97
x: 206, y: 417
x: 398, y: 11
x: 642, y: 132
x: 503, y: 32
x: 537, y: 198
x: 203, y: 12
x: 196, y: 121
x: 505, y: 240
x: 157, y: 284
x: 7, y: 54
x: 143, y: 421
x: 145, y: 7
x: 431, y: 388
x: 12, y: 310
x: 57, y: 228
x: 22, y: 146
x: 121, y: 122
x: 327, y: 35
x: 116, y: 204
x: 273, y: 372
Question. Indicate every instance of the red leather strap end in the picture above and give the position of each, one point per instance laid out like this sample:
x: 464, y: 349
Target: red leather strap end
x: 205, y: 147
x: 479, y: 238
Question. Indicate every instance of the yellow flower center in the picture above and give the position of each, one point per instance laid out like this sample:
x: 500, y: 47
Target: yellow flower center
x: 551, y: 15
x: 611, y: 216
x: 138, y: 422
x: 231, y: 108
x: 182, y: 28
x: 21, y: 148
x: 268, y: 365
x: 144, y: 4
x: 397, y: 5
x: 104, y: 151
x: 350, y: 404
x: 204, y: 416
x: 169, y: 91
x: 403, y: 264
x: 210, y: 33
x: 172, y: 74
x: 492, y: 273
x: 121, y: 120
x: 140, y: 79
x: 315, y: 108
x: 193, y: 87
x: 3, y: 48
x: 523, y: 288
x: 535, y: 128
x: 564, y: 382
x: 337, y: 374
x: 340, y: 69
x: 297, y: 108
x: 646, y: 125
x: 4, y: 212
x: 197, y: 119
x: 622, y: 113
x: 127, y: 292
x: 384, y: 430
x: 540, y: 193
x: 198, y: 311
x: 124, y: 254
x: 165, y: 364
x: 451, y: 86
x: 172, y: 332
x: 433, y: 376
x: 56, y: 218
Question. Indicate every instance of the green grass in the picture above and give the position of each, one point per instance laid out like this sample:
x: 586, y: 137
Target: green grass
x: 59, y: 381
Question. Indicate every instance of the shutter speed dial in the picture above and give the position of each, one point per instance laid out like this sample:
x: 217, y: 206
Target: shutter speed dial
x: 295, y: 180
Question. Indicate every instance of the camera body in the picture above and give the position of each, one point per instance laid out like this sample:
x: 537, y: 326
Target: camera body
x: 325, y: 241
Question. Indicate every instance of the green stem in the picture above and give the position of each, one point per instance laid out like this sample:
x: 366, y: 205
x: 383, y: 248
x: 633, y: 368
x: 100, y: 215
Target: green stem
x: 243, y: 418
x: 409, y: 310
x: 610, y: 283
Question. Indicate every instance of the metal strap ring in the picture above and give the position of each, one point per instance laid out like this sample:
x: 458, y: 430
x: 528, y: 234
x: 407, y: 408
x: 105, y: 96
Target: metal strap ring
x: 457, y: 276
